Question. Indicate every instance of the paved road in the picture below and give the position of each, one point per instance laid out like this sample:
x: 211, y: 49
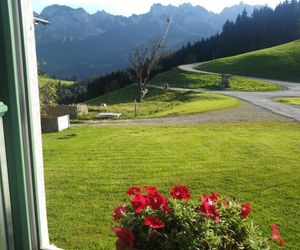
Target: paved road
x: 264, y: 99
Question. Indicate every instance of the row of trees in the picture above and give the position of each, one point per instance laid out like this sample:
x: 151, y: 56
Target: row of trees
x: 104, y: 84
x: 264, y: 28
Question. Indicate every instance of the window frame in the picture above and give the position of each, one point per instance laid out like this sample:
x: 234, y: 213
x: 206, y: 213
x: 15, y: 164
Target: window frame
x: 22, y: 129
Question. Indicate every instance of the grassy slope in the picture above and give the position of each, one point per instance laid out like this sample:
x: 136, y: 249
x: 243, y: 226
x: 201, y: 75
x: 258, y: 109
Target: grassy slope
x: 88, y: 170
x: 158, y: 103
x: 289, y: 100
x: 180, y: 78
x: 44, y: 79
x: 280, y: 62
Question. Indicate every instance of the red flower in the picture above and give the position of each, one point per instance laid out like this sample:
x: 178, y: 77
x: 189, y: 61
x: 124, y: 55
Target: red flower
x: 210, y: 199
x: 276, y: 235
x: 154, y: 222
x: 210, y: 211
x: 217, y: 220
x: 125, y: 235
x: 139, y: 202
x: 204, y: 208
x: 208, y: 206
x: 180, y: 192
x: 245, y: 210
x: 119, y: 212
x: 166, y: 208
x: 151, y: 190
x: 133, y: 190
x: 157, y: 201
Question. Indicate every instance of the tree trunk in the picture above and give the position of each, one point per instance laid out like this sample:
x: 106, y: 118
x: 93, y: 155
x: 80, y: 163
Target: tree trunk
x: 142, y: 92
x: 139, y: 97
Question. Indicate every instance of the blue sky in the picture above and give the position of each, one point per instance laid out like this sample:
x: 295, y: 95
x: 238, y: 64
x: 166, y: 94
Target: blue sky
x: 128, y: 7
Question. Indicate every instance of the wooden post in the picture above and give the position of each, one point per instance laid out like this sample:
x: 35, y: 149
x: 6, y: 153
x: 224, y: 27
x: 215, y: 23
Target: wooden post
x: 225, y: 81
x: 166, y: 87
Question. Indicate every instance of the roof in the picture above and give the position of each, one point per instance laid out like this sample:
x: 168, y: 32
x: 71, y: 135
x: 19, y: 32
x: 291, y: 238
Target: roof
x: 39, y: 19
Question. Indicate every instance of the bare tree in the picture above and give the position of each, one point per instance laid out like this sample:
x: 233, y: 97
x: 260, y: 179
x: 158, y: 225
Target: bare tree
x: 146, y: 57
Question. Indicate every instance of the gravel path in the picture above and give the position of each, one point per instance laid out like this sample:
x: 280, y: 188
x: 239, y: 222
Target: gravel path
x: 264, y: 99
x: 256, y: 106
x: 242, y: 113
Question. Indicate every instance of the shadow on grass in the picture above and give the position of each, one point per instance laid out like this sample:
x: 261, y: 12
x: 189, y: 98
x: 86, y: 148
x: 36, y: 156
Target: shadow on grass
x: 66, y: 137
x: 128, y: 94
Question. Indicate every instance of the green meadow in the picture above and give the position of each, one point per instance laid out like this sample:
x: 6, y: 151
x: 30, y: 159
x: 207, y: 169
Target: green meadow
x: 88, y: 170
x: 279, y: 63
x: 194, y: 80
x: 158, y: 103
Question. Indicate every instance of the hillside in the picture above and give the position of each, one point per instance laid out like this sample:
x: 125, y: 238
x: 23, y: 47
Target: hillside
x: 280, y: 63
x: 43, y: 79
x: 158, y: 103
x: 193, y: 80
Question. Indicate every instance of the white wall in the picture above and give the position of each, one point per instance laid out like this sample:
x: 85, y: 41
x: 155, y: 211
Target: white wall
x: 63, y: 122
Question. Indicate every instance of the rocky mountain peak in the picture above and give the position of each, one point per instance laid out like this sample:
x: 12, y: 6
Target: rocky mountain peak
x: 77, y: 42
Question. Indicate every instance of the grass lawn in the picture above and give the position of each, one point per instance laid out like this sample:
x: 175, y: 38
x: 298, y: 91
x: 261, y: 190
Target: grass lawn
x: 88, y: 170
x: 180, y: 78
x: 280, y: 62
x: 289, y: 100
x: 158, y: 103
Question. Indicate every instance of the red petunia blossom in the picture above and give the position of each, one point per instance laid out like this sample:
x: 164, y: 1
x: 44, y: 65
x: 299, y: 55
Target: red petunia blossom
x: 210, y: 211
x: 276, y: 235
x: 125, y: 235
x: 151, y: 190
x: 208, y: 206
x: 245, y: 210
x: 166, y: 208
x: 214, y: 196
x: 180, y: 192
x: 217, y: 219
x: 133, y: 190
x: 139, y: 202
x: 210, y: 198
x: 119, y: 212
x: 154, y: 222
x: 157, y: 201
x: 204, y: 208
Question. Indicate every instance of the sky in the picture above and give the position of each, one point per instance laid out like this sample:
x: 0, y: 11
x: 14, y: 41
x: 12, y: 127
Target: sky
x: 129, y: 7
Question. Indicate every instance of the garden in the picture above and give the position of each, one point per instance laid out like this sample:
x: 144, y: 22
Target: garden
x: 89, y: 169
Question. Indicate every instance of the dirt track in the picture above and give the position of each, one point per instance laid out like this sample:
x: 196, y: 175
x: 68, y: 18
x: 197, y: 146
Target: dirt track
x: 244, y: 112
x: 264, y: 99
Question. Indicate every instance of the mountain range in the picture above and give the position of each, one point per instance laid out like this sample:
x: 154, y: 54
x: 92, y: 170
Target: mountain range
x: 80, y: 44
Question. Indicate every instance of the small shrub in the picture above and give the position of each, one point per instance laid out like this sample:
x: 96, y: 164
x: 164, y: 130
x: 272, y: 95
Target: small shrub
x: 151, y: 221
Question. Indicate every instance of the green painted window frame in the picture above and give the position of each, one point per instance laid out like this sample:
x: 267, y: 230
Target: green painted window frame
x: 18, y: 129
x: 6, y: 228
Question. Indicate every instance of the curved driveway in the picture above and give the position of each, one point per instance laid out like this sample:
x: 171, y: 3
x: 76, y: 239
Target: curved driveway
x: 263, y: 99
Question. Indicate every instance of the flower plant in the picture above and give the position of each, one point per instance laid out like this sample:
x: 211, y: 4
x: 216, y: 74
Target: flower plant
x: 153, y: 221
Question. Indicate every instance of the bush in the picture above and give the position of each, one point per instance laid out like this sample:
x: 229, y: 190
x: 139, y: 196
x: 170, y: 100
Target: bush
x: 151, y: 221
x: 48, y: 94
